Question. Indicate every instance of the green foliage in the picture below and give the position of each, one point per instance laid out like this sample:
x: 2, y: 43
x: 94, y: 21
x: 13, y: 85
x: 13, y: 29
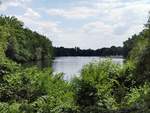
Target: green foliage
x: 37, y: 90
x: 138, y: 99
x: 22, y: 44
x: 95, y: 87
x: 143, y: 66
x: 138, y: 48
x: 6, y: 108
x: 29, y: 90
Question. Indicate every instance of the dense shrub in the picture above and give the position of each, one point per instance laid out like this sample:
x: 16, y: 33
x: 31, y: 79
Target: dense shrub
x: 111, y: 88
x: 94, y: 90
x: 37, y: 90
x: 143, y: 66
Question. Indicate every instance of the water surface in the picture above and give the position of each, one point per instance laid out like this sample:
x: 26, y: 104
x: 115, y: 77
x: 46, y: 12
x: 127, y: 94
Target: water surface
x: 71, y: 66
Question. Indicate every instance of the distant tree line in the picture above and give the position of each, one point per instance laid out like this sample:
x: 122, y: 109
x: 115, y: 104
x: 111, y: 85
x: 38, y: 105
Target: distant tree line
x: 112, y: 51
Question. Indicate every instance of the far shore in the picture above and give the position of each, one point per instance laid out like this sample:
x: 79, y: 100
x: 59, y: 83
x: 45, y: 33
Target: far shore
x: 93, y: 56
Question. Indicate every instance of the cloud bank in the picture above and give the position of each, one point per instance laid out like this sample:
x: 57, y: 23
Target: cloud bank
x: 87, y: 24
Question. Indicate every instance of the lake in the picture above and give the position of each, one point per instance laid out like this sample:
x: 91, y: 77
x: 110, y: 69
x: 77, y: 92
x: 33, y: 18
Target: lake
x: 71, y: 66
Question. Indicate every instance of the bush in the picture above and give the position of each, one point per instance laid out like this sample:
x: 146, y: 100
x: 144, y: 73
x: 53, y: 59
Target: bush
x: 143, y: 67
x: 37, y: 90
x: 94, y: 89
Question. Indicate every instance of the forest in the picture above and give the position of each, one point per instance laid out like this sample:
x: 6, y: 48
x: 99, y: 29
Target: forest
x: 103, y: 87
x: 112, y: 51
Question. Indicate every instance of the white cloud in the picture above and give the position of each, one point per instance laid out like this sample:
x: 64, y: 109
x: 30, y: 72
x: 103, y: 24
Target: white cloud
x: 44, y: 27
x: 116, y: 20
x: 97, y: 27
x: 5, y: 4
x: 30, y: 13
x: 73, y: 13
x: 47, y: 28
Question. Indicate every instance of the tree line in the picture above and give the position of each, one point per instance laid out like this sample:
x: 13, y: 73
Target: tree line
x: 112, y: 51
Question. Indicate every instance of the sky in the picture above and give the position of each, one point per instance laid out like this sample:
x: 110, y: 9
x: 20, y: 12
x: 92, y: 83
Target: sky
x: 81, y: 23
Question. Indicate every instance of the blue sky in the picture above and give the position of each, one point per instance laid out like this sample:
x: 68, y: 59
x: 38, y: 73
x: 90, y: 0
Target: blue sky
x: 83, y: 23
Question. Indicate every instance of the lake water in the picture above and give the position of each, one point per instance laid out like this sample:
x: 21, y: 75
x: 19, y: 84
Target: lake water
x: 71, y: 66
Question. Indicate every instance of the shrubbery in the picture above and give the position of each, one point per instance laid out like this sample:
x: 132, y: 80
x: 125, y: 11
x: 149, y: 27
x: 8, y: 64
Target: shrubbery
x: 29, y: 90
x: 37, y: 90
x: 103, y: 86
x: 108, y: 87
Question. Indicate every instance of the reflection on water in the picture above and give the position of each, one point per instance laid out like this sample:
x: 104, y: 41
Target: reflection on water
x: 72, y: 66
